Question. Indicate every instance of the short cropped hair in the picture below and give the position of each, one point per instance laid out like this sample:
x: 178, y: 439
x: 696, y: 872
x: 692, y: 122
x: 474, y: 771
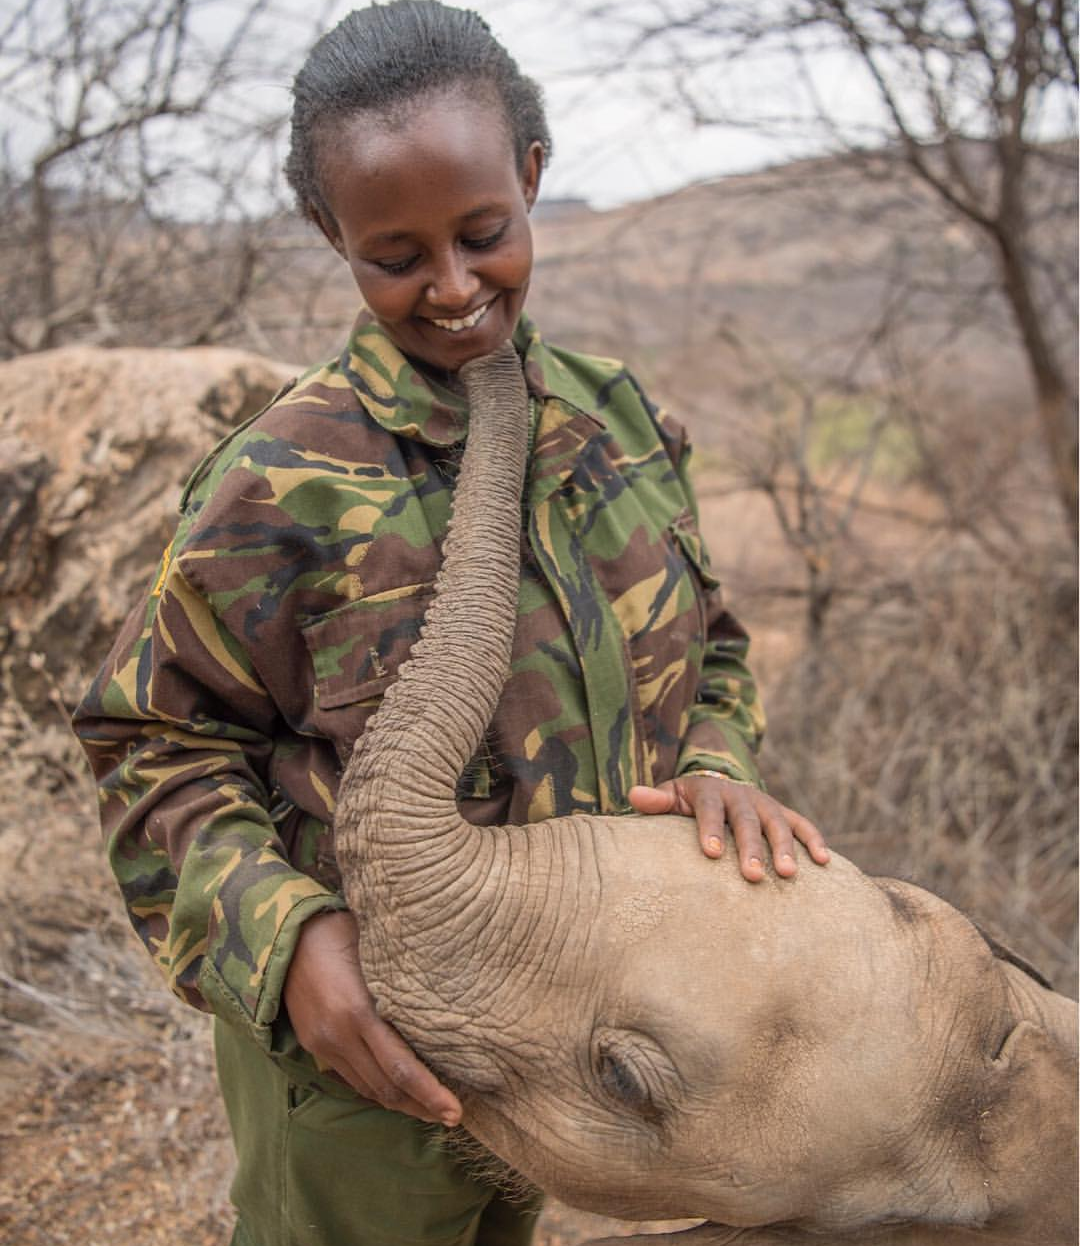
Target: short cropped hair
x: 381, y: 59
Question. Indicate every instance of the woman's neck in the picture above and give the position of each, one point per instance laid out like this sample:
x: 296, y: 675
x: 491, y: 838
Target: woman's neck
x: 439, y: 376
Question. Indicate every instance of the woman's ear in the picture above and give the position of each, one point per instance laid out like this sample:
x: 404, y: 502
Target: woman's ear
x: 531, y: 170
x: 327, y: 227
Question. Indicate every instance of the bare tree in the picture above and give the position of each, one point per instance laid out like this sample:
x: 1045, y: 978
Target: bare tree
x: 970, y: 93
x: 138, y: 167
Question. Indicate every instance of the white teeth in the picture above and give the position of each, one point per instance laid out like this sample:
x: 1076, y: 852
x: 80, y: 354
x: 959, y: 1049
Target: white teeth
x: 455, y: 326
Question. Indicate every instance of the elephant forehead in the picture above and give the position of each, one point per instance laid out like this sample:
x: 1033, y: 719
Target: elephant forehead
x: 820, y: 956
x: 658, y: 887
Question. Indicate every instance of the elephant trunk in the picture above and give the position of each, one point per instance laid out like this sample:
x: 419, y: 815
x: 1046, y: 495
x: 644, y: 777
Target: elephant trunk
x: 407, y: 857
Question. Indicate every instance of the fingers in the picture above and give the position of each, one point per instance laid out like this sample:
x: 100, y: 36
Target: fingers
x: 809, y: 836
x: 781, y: 827
x: 746, y: 826
x: 405, y: 1081
x: 758, y: 823
x: 654, y: 800
x: 781, y: 841
x: 378, y: 1064
x: 334, y: 1017
x: 719, y: 803
x: 708, y: 805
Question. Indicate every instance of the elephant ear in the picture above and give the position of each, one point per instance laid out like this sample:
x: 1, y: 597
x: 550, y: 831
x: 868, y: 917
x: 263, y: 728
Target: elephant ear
x: 1028, y: 1048
x: 904, y: 899
x: 1033, y: 1093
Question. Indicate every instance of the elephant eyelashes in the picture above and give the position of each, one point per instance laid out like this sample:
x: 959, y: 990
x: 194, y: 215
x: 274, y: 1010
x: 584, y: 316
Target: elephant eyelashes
x: 632, y: 1073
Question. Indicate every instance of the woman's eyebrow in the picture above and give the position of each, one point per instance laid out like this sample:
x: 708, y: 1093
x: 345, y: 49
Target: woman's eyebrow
x: 394, y: 235
x: 486, y: 209
x: 404, y: 235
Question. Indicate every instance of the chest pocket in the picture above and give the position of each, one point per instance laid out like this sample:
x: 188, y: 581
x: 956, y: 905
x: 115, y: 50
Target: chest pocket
x: 357, y: 651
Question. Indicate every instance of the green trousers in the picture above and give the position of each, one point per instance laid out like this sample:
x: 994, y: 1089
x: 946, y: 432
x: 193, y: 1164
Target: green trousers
x: 328, y: 1169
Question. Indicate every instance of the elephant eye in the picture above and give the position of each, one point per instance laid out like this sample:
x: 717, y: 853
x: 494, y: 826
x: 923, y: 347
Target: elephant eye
x: 626, y: 1075
x: 618, y: 1079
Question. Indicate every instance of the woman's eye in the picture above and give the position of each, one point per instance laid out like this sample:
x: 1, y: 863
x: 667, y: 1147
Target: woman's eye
x: 488, y: 240
x: 395, y: 267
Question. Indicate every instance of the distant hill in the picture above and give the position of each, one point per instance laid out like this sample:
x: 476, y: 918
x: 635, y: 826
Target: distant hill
x: 547, y: 209
x: 801, y: 264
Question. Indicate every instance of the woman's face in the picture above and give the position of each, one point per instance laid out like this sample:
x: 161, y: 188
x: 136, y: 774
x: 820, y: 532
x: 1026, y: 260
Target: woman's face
x: 431, y: 213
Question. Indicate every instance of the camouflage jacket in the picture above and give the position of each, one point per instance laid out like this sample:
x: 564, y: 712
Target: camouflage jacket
x: 306, y: 552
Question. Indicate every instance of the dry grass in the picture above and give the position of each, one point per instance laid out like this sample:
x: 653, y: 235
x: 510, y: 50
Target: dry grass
x: 935, y: 736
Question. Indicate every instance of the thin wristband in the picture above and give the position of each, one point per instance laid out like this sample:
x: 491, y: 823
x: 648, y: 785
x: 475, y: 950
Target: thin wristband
x: 714, y: 774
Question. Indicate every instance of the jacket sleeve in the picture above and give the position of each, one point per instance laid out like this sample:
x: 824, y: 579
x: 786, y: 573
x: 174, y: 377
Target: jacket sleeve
x: 727, y: 721
x: 178, y: 731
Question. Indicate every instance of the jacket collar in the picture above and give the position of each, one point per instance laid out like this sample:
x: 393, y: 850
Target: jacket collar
x: 405, y: 401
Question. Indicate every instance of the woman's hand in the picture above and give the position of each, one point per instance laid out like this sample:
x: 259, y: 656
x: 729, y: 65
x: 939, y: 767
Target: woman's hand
x: 754, y: 817
x: 333, y: 1014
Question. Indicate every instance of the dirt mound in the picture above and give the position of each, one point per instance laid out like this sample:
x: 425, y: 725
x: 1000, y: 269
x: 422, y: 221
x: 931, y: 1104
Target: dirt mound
x: 95, y: 447
x: 94, y: 1054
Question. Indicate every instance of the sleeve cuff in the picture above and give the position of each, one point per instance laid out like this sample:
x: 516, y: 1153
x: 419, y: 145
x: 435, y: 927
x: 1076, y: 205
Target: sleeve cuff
x: 724, y: 752
x: 244, y: 986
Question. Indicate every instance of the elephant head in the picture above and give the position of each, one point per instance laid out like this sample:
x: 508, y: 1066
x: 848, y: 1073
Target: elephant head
x: 637, y: 1029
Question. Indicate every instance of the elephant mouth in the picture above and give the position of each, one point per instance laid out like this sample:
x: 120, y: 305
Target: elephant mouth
x: 488, y: 1168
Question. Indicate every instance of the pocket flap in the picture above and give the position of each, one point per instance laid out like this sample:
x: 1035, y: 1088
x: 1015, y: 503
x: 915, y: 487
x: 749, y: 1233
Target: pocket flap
x: 684, y: 530
x: 357, y: 648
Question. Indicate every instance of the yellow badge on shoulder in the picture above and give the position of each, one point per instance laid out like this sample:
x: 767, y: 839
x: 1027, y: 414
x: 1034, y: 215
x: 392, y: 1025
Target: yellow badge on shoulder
x: 166, y: 559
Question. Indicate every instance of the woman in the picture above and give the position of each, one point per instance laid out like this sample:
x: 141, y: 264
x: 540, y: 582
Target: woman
x: 295, y: 585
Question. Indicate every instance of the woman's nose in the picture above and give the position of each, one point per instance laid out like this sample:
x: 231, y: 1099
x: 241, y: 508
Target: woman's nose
x: 453, y: 285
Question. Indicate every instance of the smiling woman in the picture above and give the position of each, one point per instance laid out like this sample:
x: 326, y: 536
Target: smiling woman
x: 305, y: 560
x: 423, y: 178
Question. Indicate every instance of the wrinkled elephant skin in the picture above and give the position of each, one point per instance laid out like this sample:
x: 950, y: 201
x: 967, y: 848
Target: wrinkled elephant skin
x: 638, y: 1030
x: 827, y: 1051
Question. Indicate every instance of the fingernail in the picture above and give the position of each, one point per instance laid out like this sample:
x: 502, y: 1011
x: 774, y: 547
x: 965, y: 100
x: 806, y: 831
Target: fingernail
x: 449, y: 1120
x: 715, y: 844
x: 755, y: 860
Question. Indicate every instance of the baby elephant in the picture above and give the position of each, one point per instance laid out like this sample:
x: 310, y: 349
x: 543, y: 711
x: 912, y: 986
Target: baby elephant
x: 824, y: 1059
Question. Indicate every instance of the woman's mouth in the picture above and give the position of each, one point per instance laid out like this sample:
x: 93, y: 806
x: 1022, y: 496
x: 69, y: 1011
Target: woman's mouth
x: 465, y: 322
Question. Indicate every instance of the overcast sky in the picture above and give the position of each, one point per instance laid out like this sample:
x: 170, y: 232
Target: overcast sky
x: 613, y: 144
x: 620, y: 135
x: 616, y: 137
